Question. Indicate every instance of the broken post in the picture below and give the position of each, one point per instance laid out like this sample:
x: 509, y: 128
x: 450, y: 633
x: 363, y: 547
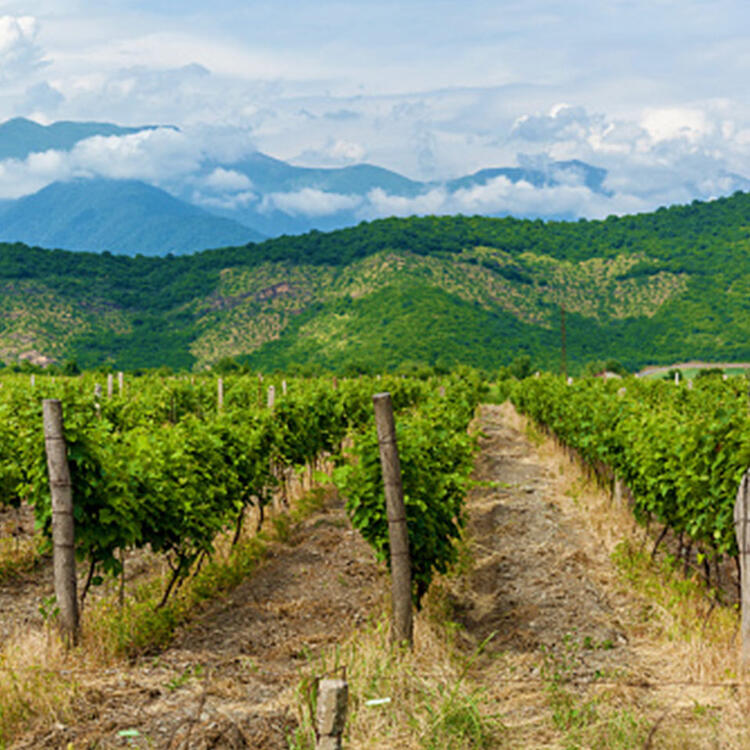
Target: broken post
x: 333, y: 696
x: 63, y: 531
x: 742, y: 532
x: 398, y: 536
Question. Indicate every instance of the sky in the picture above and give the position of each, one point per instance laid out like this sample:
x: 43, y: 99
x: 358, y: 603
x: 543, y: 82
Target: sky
x: 655, y: 92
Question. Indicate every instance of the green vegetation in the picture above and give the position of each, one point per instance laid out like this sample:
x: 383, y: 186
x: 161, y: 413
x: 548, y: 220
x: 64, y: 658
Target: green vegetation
x: 660, y: 287
x: 681, y: 451
x: 164, y: 468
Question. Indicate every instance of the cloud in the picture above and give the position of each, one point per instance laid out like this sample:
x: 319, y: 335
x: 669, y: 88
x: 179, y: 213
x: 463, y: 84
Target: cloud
x: 165, y: 157
x: 669, y: 123
x: 19, y: 53
x: 309, y: 202
x: 152, y: 155
x: 226, y: 181
x: 41, y: 98
x: 334, y: 153
x: 226, y: 202
x: 562, y: 122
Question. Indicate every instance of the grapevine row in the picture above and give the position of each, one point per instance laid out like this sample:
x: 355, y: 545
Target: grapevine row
x: 162, y: 466
x: 681, y: 451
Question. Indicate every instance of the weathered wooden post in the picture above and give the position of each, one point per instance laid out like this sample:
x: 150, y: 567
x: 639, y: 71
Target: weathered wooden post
x: 98, y: 399
x: 677, y: 377
x: 742, y: 532
x: 32, y: 380
x: 618, y: 492
x: 120, y: 382
x: 271, y: 396
x: 333, y: 696
x: 110, y: 384
x: 398, y: 536
x: 220, y: 394
x: 283, y: 387
x: 63, y: 531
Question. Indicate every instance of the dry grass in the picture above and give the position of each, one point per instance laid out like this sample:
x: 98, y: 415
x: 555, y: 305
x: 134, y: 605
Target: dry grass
x: 37, y: 681
x: 423, y: 698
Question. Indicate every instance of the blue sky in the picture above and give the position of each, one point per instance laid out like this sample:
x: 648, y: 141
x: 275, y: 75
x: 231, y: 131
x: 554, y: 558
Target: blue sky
x: 655, y: 92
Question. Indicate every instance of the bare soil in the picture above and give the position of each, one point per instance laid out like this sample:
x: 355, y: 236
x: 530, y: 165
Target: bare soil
x: 226, y: 681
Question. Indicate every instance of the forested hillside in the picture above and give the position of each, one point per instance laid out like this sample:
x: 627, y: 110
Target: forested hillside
x: 436, y: 290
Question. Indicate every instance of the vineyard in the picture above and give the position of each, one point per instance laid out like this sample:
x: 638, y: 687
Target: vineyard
x: 181, y: 469
x: 681, y: 450
x: 170, y: 464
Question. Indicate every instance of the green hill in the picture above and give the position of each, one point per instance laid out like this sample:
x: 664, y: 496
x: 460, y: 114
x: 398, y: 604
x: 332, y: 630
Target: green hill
x: 660, y: 287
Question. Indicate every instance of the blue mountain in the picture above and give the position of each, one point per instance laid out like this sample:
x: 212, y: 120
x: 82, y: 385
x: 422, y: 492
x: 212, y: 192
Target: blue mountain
x: 122, y: 216
x: 20, y: 137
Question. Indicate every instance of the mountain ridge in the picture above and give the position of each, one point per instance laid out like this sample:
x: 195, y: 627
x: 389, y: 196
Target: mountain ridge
x: 125, y: 216
x: 271, y: 196
x: 650, y: 288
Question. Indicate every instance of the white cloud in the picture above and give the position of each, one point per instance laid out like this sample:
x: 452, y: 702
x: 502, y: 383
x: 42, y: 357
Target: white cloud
x: 19, y: 53
x: 162, y: 156
x: 501, y: 196
x: 562, y: 122
x: 669, y: 123
x: 336, y: 152
x: 309, y: 202
x: 226, y: 181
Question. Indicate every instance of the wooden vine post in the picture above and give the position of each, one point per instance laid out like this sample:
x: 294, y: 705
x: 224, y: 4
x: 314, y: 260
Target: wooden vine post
x: 220, y: 394
x: 333, y: 696
x: 742, y: 531
x: 110, y: 384
x: 403, y: 628
x: 63, y: 531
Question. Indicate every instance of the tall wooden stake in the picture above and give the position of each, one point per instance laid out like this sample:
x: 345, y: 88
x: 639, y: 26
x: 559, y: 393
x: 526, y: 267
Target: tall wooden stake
x: 397, y: 532
x: 63, y: 531
x: 220, y: 394
x: 742, y: 532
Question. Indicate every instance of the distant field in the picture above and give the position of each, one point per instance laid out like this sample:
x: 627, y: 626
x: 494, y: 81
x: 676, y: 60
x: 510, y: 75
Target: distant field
x: 691, y: 369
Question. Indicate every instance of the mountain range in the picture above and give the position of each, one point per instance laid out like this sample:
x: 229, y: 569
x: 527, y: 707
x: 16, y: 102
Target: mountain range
x: 270, y: 197
x: 660, y: 287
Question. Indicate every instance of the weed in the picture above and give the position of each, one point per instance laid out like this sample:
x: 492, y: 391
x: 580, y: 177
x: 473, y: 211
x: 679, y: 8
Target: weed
x: 187, y: 674
x: 585, y: 722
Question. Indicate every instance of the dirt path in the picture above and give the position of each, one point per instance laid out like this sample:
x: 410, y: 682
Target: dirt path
x: 568, y: 637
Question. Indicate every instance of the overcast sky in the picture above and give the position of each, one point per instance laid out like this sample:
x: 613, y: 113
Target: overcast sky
x: 655, y: 92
